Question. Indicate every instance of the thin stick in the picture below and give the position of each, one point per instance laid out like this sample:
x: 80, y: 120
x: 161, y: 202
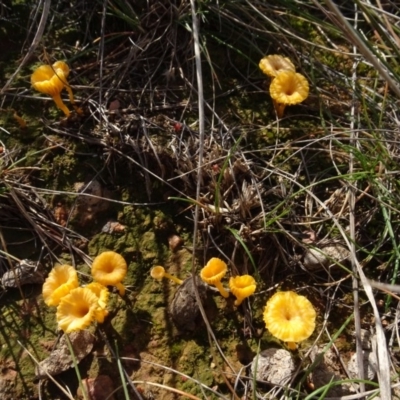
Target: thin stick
x: 352, y: 205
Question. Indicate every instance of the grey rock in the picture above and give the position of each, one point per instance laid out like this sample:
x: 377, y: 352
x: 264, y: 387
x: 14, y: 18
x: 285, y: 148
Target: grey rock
x: 325, y: 257
x: 370, y: 365
x: 275, y: 366
x: 184, y: 309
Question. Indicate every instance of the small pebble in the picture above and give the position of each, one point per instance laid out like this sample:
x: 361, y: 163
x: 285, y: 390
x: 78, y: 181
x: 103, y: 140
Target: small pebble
x: 325, y: 257
x: 175, y: 242
x: 99, y: 388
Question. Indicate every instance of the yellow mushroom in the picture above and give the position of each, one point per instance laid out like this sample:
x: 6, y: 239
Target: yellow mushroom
x: 77, y: 310
x: 159, y: 273
x: 273, y: 64
x: 288, y: 88
x: 61, y: 280
x: 51, y: 80
x: 289, y: 317
x: 109, y: 268
x: 213, y: 272
x: 242, y: 286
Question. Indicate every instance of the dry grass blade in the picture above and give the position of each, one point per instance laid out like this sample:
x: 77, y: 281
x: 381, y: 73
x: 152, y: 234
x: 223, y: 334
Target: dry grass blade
x: 183, y: 375
x: 354, y: 37
x: 63, y: 390
x: 43, y: 224
x: 385, y: 286
x: 35, y: 43
x: 352, y: 203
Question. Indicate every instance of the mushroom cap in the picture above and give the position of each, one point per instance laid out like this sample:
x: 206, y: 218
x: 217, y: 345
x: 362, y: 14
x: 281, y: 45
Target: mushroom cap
x: 242, y: 286
x: 157, y: 272
x: 109, y: 268
x: 77, y: 310
x: 273, y: 64
x: 214, y: 271
x: 289, y: 87
x: 48, y: 80
x: 289, y: 317
x: 61, y: 65
x: 61, y: 280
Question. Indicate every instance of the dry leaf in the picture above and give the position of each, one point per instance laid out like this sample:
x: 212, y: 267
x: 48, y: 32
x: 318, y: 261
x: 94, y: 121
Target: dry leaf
x: 60, y: 359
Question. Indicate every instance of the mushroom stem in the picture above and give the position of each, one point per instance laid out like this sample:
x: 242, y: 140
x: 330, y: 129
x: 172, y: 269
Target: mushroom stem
x: 238, y: 301
x: 121, y: 288
x: 173, y: 278
x: 221, y: 289
x: 279, y: 108
x: 291, y: 345
x: 60, y: 104
x: 100, y: 315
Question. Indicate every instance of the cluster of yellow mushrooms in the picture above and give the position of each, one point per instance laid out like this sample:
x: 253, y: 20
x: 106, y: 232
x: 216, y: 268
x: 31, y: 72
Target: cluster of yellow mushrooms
x: 78, y: 307
x: 287, y: 87
x: 287, y: 315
